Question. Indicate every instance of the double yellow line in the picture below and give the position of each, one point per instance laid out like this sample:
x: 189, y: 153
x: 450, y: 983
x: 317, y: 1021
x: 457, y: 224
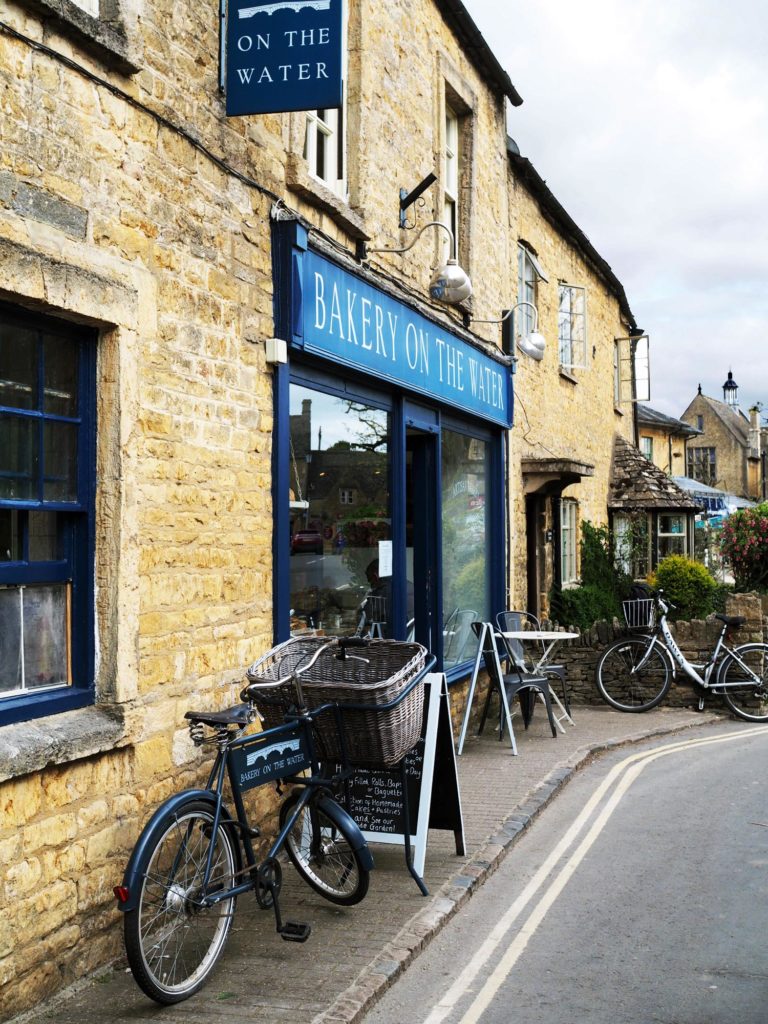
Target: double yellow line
x: 619, y: 780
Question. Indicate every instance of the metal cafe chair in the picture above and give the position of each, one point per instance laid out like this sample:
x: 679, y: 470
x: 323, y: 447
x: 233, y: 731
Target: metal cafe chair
x: 517, y: 682
x: 514, y: 621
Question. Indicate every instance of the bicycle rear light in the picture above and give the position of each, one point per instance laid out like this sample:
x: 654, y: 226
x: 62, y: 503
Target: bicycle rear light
x: 122, y: 893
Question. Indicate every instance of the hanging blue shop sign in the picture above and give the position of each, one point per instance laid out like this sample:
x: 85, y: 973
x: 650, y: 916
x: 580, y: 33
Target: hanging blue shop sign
x: 283, y: 55
x: 346, y: 319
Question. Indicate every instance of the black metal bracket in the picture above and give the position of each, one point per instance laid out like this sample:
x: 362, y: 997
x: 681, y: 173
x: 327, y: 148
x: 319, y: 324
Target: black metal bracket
x: 409, y: 198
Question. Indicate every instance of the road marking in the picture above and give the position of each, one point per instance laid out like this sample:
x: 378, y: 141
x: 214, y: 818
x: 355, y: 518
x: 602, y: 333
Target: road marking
x: 631, y: 767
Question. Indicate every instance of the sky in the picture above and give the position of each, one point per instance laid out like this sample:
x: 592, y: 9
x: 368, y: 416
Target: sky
x: 648, y: 119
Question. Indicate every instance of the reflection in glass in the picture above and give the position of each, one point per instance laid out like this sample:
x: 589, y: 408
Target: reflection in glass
x: 43, y: 537
x: 45, y: 636
x: 466, y: 571
x: 10, y: 536
x: 339, y: 507
x: 10, y: 639
x: 61, y: 369
x: 60, y: 461
x: 18, y: 367
x: 18, y: 458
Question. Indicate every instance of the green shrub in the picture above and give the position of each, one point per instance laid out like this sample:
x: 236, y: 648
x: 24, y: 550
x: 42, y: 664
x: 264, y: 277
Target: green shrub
x: 688, y: 585
x: 583, y: 606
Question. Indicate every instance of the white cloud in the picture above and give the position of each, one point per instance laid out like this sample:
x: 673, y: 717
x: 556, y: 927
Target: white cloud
x: 649, y: 122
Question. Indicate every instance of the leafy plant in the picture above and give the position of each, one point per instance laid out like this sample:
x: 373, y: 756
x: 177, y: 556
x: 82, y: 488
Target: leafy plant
x: 688, y: 585
x: 583, y: 606
x: 744, y: 543
x: 603, y: 585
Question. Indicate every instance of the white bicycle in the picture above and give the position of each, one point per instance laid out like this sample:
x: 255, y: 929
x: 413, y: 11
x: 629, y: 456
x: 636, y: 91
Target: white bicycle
x: 636, y: 672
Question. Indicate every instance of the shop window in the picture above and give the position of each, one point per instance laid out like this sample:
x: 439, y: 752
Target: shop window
x: 702, y: 465
x: 568, y: 542
x: 529, y: 273
x: 46, y: 512
x: 466, y: 546
x: 324, y: 148
x: 671, y: 534
x: 572, y: 327
x: 340, y: 548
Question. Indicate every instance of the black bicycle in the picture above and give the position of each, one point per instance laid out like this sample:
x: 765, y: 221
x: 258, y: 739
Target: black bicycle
x: 194, y: 857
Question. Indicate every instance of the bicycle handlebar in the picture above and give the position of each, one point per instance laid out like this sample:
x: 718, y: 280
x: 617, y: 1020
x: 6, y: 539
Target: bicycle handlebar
x: 343, y: 642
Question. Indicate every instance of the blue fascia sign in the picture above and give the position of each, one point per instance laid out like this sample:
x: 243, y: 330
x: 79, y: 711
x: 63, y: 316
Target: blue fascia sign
x: 283, y: 55
x: 346, y: 319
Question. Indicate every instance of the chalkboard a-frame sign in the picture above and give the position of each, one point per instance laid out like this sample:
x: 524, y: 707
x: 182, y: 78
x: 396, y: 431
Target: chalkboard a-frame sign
x: 376, y: 796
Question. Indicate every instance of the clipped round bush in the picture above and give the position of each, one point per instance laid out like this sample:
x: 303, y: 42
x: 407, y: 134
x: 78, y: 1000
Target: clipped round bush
x: 688, y: 585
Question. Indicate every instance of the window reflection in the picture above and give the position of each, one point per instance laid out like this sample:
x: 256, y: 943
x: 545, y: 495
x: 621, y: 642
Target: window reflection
x: 466, y: 571
x: 340, y: 511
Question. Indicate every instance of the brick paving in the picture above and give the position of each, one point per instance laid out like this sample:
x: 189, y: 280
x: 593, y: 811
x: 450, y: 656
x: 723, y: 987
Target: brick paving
x: 354, y: 953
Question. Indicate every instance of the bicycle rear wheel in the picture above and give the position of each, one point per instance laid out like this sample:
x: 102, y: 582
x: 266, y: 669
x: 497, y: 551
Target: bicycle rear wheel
x: 745, y: 696
x: 322, y: 853
x: 172, y: 941
x: 625, y: 686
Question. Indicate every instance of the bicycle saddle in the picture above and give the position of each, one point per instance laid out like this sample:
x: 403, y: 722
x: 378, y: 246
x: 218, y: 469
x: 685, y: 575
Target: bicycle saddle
x: 731, y: 620
x: 237, y: 715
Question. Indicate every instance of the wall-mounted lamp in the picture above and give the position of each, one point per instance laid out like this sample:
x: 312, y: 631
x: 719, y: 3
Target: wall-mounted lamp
x: 532, y: 343
x: 449, y: 283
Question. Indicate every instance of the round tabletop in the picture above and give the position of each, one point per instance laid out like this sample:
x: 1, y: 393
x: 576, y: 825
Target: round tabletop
x: 538, y: 634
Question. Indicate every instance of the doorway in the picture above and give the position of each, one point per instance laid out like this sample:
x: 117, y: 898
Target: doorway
x: 421, y: 538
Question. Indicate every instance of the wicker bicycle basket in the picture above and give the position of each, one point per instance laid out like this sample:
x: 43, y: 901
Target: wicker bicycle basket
x: 640, y: 613
x: 372, y: 675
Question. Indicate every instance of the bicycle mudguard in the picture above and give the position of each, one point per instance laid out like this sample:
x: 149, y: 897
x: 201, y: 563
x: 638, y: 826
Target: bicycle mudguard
x: 333, y: 810
x: 131, y: 883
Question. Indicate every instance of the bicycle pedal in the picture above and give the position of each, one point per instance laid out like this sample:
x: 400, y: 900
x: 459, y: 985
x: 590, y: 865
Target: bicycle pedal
x: 295, y: 931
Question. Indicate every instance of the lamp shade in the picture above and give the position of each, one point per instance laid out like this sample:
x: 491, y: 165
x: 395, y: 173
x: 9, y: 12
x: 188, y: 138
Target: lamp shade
x: 532, y: 344
x: 450, y: 284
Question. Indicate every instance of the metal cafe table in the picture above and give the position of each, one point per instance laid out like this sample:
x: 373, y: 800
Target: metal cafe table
x: 547, y: 638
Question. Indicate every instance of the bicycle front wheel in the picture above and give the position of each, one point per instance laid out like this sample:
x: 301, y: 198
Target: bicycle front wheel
x: 744, y: 677
x: 623, y: 684
x: 322, y: 853
x: 172, y: 939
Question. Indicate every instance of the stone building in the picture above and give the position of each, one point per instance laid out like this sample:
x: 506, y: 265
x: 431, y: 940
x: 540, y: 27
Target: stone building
x: 663, y: 439
x: 189, y: 302
x: 729, y: 452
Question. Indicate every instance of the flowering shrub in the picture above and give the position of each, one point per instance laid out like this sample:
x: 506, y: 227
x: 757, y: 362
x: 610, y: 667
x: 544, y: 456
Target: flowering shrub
x: 744, y: 543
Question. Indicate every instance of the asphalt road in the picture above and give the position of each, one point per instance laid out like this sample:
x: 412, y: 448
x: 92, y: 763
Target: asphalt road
x: 639, y: 896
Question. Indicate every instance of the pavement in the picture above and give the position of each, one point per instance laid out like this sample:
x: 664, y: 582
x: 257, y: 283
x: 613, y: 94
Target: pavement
x: 354, y: 954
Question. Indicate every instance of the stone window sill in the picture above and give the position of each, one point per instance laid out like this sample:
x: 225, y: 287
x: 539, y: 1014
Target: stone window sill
x: 320, y: 196
x: 31, y: 746
x: 566, y: 374
x: 104, y: 39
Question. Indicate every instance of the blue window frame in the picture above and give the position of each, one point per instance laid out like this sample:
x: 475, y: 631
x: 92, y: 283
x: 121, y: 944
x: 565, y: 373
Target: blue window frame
x: 47, y: 482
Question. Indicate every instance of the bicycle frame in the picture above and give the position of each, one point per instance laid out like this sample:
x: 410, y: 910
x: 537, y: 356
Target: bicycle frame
x: 237, y: 759
x: 677, y: 657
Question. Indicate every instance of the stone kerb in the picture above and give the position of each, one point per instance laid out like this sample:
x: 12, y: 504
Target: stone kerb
x: 695, y: 638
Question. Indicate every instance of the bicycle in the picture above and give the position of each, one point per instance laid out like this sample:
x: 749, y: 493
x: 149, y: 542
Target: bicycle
x: 635, y: 672
x: 194, y: 858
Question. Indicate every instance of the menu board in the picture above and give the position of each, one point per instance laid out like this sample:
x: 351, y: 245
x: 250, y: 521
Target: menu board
x: 431, y: 780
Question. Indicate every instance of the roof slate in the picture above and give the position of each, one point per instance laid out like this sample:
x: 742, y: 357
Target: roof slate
x: 637, y: 484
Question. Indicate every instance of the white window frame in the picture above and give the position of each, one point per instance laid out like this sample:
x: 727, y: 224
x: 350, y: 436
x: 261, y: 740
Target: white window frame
x: 451, y: 176
x: 680, y: 535
x: 646, y: 446
x: 572, y: 326
x: 92, y: 7
x: 346, y: 496
x: 568, y: 542
x: 529, y: 273
x: 325, y: 147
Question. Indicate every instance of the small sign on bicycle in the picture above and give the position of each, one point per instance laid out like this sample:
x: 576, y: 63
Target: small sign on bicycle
x: 267, y: 758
